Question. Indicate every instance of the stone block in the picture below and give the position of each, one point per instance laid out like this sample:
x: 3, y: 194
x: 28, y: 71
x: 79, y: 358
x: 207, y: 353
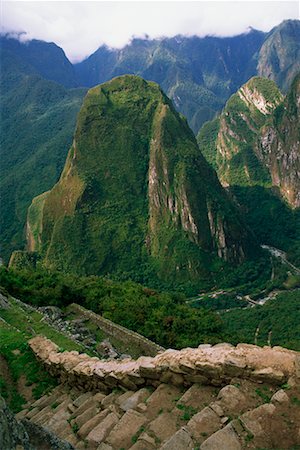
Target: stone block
x: 181, y: 440
x: 225, y: 439
x: 203, y: 424
x: 127, y: 427
x: 102, y: 430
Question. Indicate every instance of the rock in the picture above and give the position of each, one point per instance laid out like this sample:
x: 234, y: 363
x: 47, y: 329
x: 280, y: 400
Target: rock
x: 203, y: 424
x: 106, y: 349
x: 252, y: 420
x: 82, y: 398
x: 42, y: 438
x: 279, y: 397
x: 131, y: 401
x: 215, y: 406
x: 162, y: 398
x: 12, y: 433
x: 231, y: 398
x: 86, y: 416
x: 127, y: 427
x: 4, y: 302
x: 268, y: 375
x: 101, y: 431
x: 181, y: 440
x: 225, y: 439
x: 104, y: 446
x: 164, y: 426
x: 92, y: 423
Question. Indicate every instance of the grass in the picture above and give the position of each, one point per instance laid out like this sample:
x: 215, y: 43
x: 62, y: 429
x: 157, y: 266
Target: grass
x: 22, y: 363
x: 188, y: 411
x: 137, y: 434
x: 264, y: 394
x: 31, y: 324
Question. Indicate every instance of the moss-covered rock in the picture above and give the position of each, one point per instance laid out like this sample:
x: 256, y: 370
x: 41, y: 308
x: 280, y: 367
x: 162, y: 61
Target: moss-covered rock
x: 136, y: 197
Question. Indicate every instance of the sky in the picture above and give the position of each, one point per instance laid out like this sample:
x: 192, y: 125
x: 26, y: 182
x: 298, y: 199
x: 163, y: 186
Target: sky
x: 81, y: 27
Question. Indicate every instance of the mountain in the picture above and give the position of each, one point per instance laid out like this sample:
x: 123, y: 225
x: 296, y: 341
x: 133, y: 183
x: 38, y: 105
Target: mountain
x: 236, y: 152
x: 37, y: 122
x: 136, y: 198
x: 279, y: 56
x: 254, y: 147
x: 280, y: 146
x: 198, y: 74
x: 45, y: 58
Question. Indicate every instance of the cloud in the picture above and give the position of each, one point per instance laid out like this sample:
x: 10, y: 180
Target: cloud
x: 81, y: 27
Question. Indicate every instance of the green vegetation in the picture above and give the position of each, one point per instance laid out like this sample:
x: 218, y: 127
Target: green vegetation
x: 279, y: 316
x: 37, y: 123
x: 21, y: 363
x: 163, y: 317
x: 164, y: 232
x: 264, y: 393
x: 281, y: 49
x: 166, y: 318
x: 188, y: 411
x: 236, y: 145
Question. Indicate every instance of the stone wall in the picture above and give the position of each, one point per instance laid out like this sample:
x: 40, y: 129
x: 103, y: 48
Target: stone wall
x: 142, y: 344
x: 216, y: 365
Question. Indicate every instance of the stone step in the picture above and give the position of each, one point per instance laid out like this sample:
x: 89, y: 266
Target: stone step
x: 223, y: 439
x: 127, y: 430
x: 101, y: 431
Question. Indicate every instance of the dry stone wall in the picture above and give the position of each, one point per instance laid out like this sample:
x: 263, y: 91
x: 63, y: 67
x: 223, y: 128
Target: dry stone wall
x: 144, y: 345
x: 207, y: 364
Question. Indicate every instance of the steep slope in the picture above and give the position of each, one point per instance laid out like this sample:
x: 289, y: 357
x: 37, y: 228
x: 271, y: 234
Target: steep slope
x: 198, y: 74
x: 37, y: 123
x: 280, y: 146
x: 46, y: 58
x: 279, y: 56
x: 136, y: 198
x: 254, y: 146
x: 236, y: 153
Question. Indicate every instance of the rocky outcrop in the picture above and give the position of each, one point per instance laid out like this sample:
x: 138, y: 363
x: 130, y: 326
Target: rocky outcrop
x: 257, y: 139
x: 279, y: 146
x: 279, y: 56
x: 215, y: 365
x: 25, y: 435
x: 12, y: 433
x: 136, y: 204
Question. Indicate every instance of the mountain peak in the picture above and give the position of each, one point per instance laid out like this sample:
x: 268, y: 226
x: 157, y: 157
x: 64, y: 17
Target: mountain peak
x: 136, y: 197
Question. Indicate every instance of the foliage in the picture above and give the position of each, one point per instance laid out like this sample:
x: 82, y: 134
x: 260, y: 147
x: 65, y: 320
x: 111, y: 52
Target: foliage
x: 37, y: 122
x: 22, y: 362
x: 147, y: 219
x: 162, y: 317
x: 279, y: 316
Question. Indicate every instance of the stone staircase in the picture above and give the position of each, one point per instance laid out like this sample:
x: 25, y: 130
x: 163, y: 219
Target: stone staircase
x: 244, y: 414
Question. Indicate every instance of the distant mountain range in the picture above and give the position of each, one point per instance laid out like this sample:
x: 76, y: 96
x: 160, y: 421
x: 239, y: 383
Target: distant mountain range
x: 197, y: 74
x: 42, y: 92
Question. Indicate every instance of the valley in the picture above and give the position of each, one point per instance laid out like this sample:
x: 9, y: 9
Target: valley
x: 150, y: 243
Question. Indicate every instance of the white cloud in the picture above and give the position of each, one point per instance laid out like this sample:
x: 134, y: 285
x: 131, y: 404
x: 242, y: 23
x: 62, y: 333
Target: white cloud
x: 81, y: 27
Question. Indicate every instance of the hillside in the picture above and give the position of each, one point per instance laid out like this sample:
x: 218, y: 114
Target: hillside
x: 279, y: 56
x: 198, y: 74
x: 254, y: 147
x: 160, y: 213
x: 67, y: 394
x: 37, y: 123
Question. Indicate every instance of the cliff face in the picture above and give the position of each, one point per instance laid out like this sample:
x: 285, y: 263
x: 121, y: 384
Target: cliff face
x: 256, y: 141
x: 279, y: 56
x: 280, y: 146
x: 135, y: 193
